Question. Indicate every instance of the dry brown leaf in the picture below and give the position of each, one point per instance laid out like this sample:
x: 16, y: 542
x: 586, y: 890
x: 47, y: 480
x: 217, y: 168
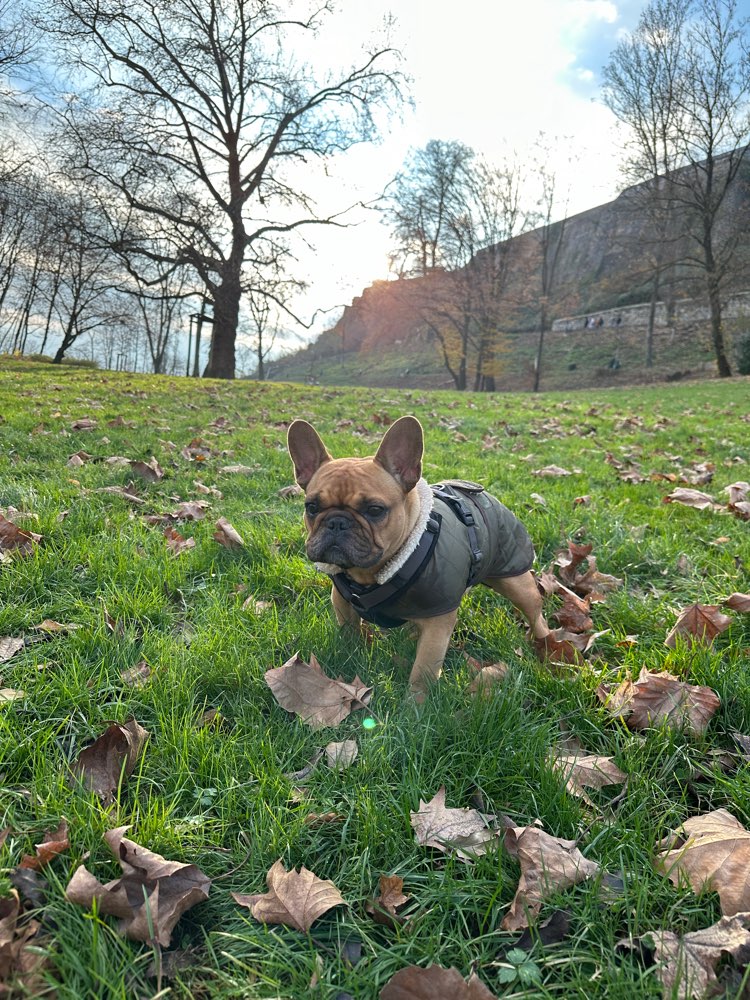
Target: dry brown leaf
x: 739, y: 500
x: 487, y: 678
x: 294, y: 898
x: 547, y: 865
x: 315, y: 820
x: 54, y: 843
x: 149, y: 472
x: 434, y: 983
x: 687, y: 965
x: 48, y: 625
x: 698, y: 622
x: 289, y: 492
x: 464, y: 831
x: 177, y: 543
x: 692, y: 498
x: 560, y: 646
x: 383, y: 909
x: 660, y: 697
x: 149, y: 897
x: 319, y: 701
x: 20, y: 961
x: 738, y: 602
x: 574, y: 613
x: 587, y: 771
x: 593, y: 582
x: 226, y: 535
x: 9, y: 646
x: 340, y: 756
x: 207, y: 490
x: 83, y: 424
x: 189, y: 510
x: 9, y: 694
x: 551, y: 470
x: 80, y: 458
x: 126, y: 492
x: 110, y: 757
x: 15, y: 539
x: 136, y: 676
x: 242, y: 470
x: 714, y: 855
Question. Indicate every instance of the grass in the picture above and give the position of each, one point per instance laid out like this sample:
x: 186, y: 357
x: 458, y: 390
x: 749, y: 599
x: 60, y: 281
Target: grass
x: 217, y: 795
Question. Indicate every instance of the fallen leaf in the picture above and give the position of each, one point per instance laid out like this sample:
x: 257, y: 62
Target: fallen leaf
x: 226, y: 535
x: 121, y: 491
x: 149, y: 897
x: 574, y: 613
x: 176, y: 543
x: 593, y: 582
x: 738, y: 602
x: 554, y: 930
x: 9, y: 646
x: 547, y: 865
x: 136, y: 676
x: 149, y: 472
x: 464, y: 831
x: 660, y: 697
x: 20, y: 960
x: 80, y: 458
x: 383, y: 908
x: 256, y: 606
x: 315, y: 820
x: 319, y: 701
x: 15, y: 539
x: 692, y: 498
x: 241, y: 470
x: 340, y: 756
x: 701, y: 622
x: 207, y: 490
x: 84, y: 424
x: 189, y: 510
x: 54, y: 843
x: 551, y: 470
x: 686, y: 966
x: 294, y: 898
x: 487, y: 678
x: 715, y: 855
x: 288, y: 492
x: 583, y: 771
x: 48, y: 625
x: 110, y: 758
x: 434, y: 983
x: 9, y: 694
x: 582, y: 500
x: 560, y: 646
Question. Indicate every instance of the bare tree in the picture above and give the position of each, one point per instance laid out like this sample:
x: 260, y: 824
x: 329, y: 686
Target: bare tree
x: 681, y: 83
x: 452, y: 215
x: 199, y: 127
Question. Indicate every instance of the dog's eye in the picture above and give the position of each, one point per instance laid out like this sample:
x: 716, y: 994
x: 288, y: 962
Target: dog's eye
x: 311, y: 508
x: 375, y: 510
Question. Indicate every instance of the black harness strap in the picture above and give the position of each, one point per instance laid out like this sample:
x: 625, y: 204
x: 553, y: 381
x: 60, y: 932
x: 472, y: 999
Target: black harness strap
x: 463, y: 510
x: 366, y: 598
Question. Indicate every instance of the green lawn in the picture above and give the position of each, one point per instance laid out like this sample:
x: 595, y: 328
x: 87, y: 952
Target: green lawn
x: 217, y: 794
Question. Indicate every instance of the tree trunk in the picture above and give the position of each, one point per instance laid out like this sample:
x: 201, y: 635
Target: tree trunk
x: 221, y: 358
x: 717, y: 331
x: 652, y: 318
x: 540, y: 349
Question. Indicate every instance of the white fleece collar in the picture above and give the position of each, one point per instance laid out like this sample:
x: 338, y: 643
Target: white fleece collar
x: 426, y: 500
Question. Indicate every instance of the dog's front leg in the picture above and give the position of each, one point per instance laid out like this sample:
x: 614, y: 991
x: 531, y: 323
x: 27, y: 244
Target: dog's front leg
x: 346, y: 615
x: 432, y: 645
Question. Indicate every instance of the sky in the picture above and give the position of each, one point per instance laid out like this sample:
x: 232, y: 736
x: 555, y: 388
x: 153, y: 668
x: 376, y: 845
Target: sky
x: 492, y: 74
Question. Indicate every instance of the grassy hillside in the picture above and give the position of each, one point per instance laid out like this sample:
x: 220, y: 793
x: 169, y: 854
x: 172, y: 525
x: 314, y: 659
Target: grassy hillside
x: 220, y: 791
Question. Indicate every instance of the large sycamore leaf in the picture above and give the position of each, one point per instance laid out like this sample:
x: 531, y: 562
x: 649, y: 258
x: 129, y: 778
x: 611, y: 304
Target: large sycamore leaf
x: 9, y: 646
x: 112, y: 756
x: 434, y: 983
x: 547, y: 865
x: 318, y: 700
x: 698, y: 622
x: 593, y: 582
x: 660, y: 697
x: 149, y: 897
x: 738, y: 602
x: 687, y: 965
x: 692, y: 498
x: 713, y: 854
x: 294, y: 898
x: 583, y: 771
x: 464, y: 831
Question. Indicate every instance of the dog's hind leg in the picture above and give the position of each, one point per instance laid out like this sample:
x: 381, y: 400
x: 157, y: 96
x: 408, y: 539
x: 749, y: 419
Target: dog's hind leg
x: 523, y: 594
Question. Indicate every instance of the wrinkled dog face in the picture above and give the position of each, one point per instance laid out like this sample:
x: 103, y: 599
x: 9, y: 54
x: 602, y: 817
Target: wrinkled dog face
x: 354, y: 514
x: 357, y: 510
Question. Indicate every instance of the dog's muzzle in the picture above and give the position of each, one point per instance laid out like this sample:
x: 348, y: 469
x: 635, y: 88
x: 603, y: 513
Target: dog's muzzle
x: 339, y: 540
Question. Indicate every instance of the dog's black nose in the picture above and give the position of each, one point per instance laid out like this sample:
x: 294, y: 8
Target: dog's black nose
x: 338, y: 522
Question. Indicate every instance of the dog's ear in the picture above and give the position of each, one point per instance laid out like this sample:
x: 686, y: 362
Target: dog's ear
x: 307, y: 450
x: 400, y: 452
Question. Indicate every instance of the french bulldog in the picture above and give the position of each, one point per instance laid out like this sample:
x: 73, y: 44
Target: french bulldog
x: 401, y: 551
